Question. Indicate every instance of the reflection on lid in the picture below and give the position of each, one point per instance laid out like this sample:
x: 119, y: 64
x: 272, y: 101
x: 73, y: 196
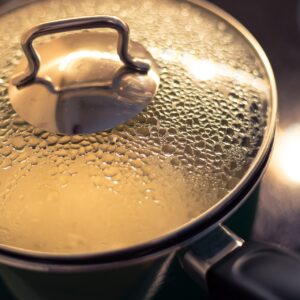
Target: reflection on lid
x: 73, y: 57
x: 207, y: 69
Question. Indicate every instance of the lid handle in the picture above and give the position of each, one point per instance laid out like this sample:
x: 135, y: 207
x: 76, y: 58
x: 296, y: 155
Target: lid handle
x: 28, y: 37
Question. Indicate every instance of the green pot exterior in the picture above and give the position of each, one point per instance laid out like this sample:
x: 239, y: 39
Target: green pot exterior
x: 130, y: 282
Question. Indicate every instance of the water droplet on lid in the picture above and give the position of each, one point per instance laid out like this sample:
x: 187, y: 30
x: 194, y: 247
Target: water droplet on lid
x: 168, y: 149
x: 6, y: 163
x: 233, y: 97
x: 131, y: 154
x: 108, y: 158
x: 22, y: 157
x: 200, y: 145
x: 64, y: 139
x: 172, y: 131
x: 33, y: 141
x: 99, y: 154
x: 88, y: 149
x: 111, y: 148
x: 245, y: 142
x: 110, y: 171
x: 84, y: 143
x: 62, y: 153
x: 148, y: 171
x: 137, y: 163
x: 6, y: 150
x: 37, y: 131
x: 121, y: 150
x: 218, y: 149
x: 253, y: 107
x: 52, y: 140
x: 34, y: 160
x: 44, y: 135
x: 175, y: 161
x: 18, y: 121
x: 73, y: 153
x: 90, y: 158
x: 77, y: 139
x: 143, y: 131
x: 43, y: 144
x: 75, y: 146
x: 18, y: 142
x: 189, y: 150
x: 92, y: 139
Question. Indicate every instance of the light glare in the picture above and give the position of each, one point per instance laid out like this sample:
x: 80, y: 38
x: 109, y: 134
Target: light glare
x: 288, y: 155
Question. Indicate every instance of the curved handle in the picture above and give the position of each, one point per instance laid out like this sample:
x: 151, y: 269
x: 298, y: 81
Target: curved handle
x: 231, y: 269
x: 256, y: 271
x: 75, y: 24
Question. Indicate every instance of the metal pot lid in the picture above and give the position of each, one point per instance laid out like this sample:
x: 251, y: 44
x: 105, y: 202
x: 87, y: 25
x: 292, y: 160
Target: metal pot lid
x: 196, y: 143
x: 76, y: 83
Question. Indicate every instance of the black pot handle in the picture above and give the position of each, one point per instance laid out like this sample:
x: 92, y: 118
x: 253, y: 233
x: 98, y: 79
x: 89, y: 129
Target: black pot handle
x: 256, y: 271
x: 250, y: 271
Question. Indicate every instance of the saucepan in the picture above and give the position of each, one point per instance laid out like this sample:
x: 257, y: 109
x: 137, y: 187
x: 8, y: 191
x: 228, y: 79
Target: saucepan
x: 171, y: 127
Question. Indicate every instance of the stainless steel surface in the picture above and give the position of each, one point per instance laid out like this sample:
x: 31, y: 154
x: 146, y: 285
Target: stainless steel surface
x: 29, y: 76
x: 82, y: 86
x: 209, y: 250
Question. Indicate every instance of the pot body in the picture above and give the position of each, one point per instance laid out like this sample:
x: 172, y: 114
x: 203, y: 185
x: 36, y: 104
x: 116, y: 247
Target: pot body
x: 151, y: 277
x: 133, y: 281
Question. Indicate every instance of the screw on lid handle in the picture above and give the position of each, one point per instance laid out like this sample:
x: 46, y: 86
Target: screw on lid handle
x: 75, y: 24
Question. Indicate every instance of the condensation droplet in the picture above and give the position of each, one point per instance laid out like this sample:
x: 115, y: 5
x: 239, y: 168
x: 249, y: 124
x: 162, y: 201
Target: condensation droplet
x: 18, y: 142
x: 168, y: 149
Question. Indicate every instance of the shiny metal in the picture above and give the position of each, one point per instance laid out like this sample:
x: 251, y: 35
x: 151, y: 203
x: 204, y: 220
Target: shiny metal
x: 210, y: 249
x: 75, y: 24
x: 35, y: 269
x: 82, y: 86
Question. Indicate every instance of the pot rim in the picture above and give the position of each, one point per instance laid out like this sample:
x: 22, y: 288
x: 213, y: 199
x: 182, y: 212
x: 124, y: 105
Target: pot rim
x: 183, y: 233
